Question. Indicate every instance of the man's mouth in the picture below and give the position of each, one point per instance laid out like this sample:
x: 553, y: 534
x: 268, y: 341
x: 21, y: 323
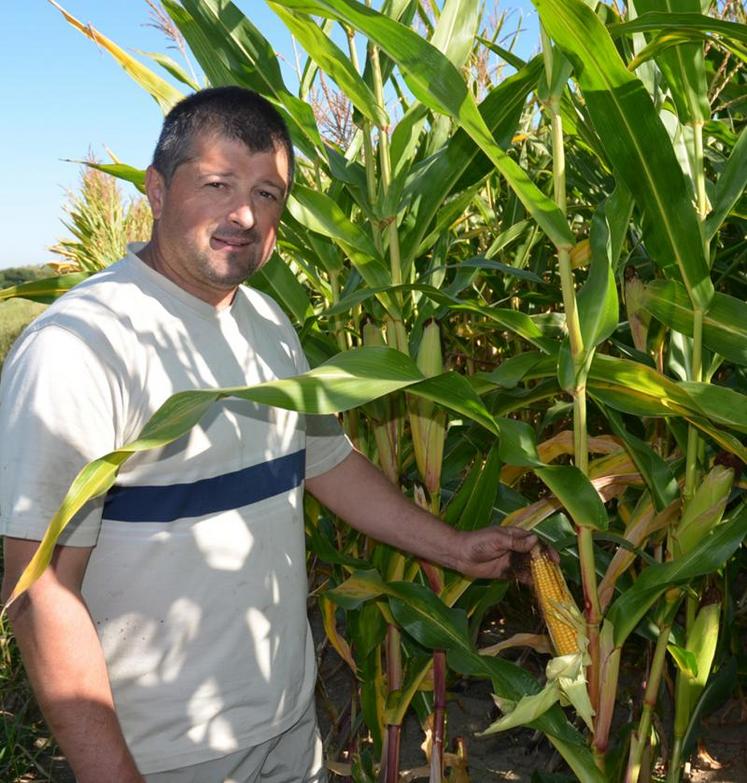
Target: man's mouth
x: 236, y: 242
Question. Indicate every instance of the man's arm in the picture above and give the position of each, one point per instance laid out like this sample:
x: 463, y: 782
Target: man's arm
x: 359, y: 493
x: 65, y: 663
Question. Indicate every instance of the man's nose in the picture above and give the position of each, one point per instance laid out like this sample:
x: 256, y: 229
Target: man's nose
x: 242, y: 215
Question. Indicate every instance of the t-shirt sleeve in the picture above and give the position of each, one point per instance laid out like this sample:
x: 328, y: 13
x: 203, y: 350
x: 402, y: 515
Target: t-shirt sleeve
x: 326, y: 443
x: 57, y: 412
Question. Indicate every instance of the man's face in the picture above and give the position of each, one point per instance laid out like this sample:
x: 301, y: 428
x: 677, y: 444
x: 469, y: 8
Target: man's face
x: 218, y: 217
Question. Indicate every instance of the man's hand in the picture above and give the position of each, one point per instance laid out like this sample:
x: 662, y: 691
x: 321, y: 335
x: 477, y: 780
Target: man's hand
x: 495, y: 552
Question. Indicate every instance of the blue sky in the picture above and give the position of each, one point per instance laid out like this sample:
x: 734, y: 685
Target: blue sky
x: 63, y: 96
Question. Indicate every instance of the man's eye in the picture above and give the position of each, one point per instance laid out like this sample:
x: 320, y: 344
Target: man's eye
x: 266, y: 194
x: 216, y: 185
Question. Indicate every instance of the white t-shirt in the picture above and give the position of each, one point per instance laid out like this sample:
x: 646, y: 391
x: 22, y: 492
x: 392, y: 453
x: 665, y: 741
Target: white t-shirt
x: 197, y: 579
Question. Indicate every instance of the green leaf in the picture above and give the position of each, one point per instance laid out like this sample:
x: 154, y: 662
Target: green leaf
x: 719, y: 404
x: 456, y: 28
x: 476, y: 513
x: 655, y: 471
x: 162, y: 92
x: 452, y: 165
x: 577, y: 494
x: 318, y: 212
x: 504, y: 54
x: 44, y: 291
x: 683, y: 66
x: 597, y: 300
x: 685, y: 659
x: 330, y: 58
x: 277, y: 279
x: 724, y: 323
x: 636, y: 142
x: 705, y: 558
x: 679, y: 21
x: 730, y: 186
x: 435, y: 81
x: 231, y: 50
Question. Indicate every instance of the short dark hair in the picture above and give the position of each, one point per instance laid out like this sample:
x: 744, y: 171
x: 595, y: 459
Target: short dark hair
x: 231, y: 112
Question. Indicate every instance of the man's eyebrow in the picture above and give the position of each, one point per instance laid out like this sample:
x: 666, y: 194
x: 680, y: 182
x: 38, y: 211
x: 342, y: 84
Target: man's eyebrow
x: 275, y: 183
x: 224, y: 174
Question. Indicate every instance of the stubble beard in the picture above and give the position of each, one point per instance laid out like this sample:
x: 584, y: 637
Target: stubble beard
x: 238, y: 266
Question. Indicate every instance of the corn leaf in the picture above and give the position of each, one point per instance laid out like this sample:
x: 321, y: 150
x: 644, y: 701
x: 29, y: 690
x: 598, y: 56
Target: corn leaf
x: 636, y: 142
x: 679, y: 21
x: 730, y: 186
x: 277, y: 279
x: 231, y: 50
x: 162, y: 92
x: 318, y: 212
x: 574, y: 490
x: 724, y: 323
x: 44, y: 291
x: 683, y: 66
x: 455, y: 31
x: 459, y: 164
x: 330, y: 58
x: 435, y: 81
x: 656, y: 472
x: 628, y: 610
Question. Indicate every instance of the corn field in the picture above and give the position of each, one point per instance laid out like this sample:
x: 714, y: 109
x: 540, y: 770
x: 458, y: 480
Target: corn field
x: 522, y: 283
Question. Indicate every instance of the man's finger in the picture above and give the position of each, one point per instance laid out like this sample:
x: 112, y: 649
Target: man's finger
x: 519, y: 540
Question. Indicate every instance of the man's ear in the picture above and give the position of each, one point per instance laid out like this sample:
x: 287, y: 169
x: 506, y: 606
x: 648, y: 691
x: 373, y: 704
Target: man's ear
x: 155, y: 190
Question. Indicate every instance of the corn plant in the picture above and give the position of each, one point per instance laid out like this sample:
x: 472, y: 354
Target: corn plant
x: 542, y: 289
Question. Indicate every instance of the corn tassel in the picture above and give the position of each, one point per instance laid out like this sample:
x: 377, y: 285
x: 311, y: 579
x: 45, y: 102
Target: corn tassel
x: 556, y: 602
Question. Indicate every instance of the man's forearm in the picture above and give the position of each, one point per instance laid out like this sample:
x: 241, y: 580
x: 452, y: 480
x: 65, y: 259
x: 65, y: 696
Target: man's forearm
x: 359, y: 493
x: 65, y: 663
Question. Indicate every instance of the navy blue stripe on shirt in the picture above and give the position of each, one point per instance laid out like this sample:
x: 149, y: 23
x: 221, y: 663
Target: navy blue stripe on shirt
x: 206, y: 496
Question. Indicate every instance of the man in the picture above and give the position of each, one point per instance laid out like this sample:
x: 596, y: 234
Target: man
x: 168, y: 639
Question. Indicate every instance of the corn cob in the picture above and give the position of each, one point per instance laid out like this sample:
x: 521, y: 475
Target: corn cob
x: 555, y: 601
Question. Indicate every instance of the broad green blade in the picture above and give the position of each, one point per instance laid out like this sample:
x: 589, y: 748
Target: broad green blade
x: 724, y: 323
x: 730, y: 186
x: 678, y: 21
x: 318, y: 212
x: 162, y: 92
x: 628, y: 610
x: 335, y: 64
x: 479, y: 506
x: 44, y: 291
x: 597, y: 300
x: 439, y: 85
x: 577, y: 494
x: 683, y: 66
x: 455, y: 31
x: 513, y: 320
x: 655, y: 471
x: 277, y: 279
x: 635, y: 141
x: 718, y: 403
x: 460, y: 164
x: 231, y: 50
